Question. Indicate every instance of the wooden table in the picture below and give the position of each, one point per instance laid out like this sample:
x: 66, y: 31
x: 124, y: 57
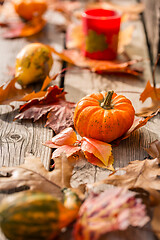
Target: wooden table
x: 21, y: 137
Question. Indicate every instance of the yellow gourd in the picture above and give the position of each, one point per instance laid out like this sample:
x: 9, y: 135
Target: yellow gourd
x: 33, y: 63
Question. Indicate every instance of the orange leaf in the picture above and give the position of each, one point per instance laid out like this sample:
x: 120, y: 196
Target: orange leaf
x: 138, y: 123
x: 72, y: 56
x: 61, y: 55
x: 97, y: 152
x: 66, y: 137
x: 68, y: 149
x: 33, y: 95
x: 24, y: 29
x: 154, y: 94
x: 149, y: 91
x: 41, y: 93
x: 9, y: 92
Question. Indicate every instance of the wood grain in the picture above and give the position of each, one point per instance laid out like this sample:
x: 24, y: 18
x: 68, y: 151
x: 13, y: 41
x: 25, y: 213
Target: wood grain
x: 21, y: 137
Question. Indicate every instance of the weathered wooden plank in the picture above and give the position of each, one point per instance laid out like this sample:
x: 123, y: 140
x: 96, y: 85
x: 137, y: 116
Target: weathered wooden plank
x: 78, y: 83
x: 21, y: 137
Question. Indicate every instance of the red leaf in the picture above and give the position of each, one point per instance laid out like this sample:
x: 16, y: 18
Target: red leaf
x: 52, y: 95
x: 61, y: 112
x: 60, y: 116
x: 114, y: 209
x: 24, y: 29
x: 97, y: 152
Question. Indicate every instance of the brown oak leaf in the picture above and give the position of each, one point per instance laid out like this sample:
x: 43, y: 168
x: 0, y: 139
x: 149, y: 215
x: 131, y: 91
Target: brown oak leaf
x: 34, y: 176
x: 114, y: 209
x: 60, y: 112
x: 154, y: 149
x: 138, y: 174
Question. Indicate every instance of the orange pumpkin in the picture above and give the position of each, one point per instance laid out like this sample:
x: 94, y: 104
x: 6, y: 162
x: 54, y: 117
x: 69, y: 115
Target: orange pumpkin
x: 28, y: 9
x: 103, y: 116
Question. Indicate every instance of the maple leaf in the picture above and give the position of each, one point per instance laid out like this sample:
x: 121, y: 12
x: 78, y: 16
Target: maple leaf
x: 114, y: 209
x: 117, y: 66
x: 154, y: 94
x: 60, y: 116
x: 60, y: 111
x: 34, y: 176
x: 96, y: 152
x: 11, y: 91
x: 24, y: 29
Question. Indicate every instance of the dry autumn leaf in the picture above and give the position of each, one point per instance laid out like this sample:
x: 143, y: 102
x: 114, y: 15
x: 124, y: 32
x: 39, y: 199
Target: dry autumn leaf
x: 154, y: 94
x: 52, y: 103
x: 138, y: 174
x: 10, y: 92
x: 114, y: 209
x: 117, y: 66
x: 34, y: 176
x: 96, y: 152
x: 154, y: 149
x: 137, y: 123
x: 24, y: 29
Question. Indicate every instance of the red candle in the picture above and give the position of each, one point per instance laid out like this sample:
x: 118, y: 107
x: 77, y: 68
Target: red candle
x: 101, y: 29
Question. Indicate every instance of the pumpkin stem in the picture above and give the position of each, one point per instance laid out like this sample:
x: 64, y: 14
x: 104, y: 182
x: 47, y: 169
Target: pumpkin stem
x: 107, y: 101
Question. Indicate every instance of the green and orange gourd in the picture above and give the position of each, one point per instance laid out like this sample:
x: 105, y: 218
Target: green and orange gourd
x: 36, y: 215
x: 104, y: 116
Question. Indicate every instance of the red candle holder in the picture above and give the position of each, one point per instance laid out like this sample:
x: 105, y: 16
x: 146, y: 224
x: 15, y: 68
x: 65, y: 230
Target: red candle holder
x: 101, y: 28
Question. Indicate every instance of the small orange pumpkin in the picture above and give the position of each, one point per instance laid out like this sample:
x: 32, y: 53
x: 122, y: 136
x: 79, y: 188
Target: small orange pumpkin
x: 28, y: 9
x: 103, y: 116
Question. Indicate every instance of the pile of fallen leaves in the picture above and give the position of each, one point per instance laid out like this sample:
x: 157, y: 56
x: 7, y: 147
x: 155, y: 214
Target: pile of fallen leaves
x: 100, y: 213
